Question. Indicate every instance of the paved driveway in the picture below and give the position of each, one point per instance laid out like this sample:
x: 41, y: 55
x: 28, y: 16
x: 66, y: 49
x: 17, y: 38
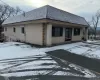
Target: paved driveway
x: 89, y: 63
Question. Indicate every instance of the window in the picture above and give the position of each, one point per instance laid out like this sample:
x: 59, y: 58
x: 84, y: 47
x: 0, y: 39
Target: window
x: 76, y: 31
x: 57, y: 31
x: 23, y: 30
x: 2, y: 29
x: 5, y: 28
x: 14, y: 29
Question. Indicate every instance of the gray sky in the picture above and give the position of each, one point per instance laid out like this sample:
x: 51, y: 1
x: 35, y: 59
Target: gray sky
x: 84, y: 8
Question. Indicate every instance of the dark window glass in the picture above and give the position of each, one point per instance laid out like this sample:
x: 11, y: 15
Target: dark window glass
x: 14, y: 29
x: 1, y: 28
x: 57, y: 31
x: 23, y: 30
x: 76, y: 31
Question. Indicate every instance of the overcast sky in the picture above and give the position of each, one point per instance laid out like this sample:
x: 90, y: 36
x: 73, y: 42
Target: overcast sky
x: 84, y: 8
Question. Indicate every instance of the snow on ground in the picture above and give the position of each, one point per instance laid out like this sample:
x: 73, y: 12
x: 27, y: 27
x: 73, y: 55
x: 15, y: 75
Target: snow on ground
x: 20, y: 56
x: 39, y: 66
x: 92, y: 41
x: 64, y: 73
x: 85, y: 49
x: 16, y: 50
x: 27, y: 73
x: 85, y: 71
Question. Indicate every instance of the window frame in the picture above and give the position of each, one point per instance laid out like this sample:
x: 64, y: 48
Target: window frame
x: 14, y: 29
x: 77, y: 31
x: 22, y: 30
x: 57, y: 31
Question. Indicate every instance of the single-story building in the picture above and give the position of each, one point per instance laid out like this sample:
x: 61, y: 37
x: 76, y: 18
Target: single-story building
x: 46, y: 25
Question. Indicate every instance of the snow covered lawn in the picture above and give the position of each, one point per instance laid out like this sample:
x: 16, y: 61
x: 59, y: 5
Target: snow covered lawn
x: 17, y: 50
x: 94, y: 41
x: 10, y: 50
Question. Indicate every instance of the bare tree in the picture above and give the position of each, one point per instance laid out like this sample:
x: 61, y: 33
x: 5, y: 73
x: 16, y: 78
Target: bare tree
x: 95, y: 22
x: 17, y: 11
x: 90, y: 29
x: 5, y: 12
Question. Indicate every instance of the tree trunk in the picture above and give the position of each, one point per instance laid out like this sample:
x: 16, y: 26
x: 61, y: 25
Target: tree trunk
x: 95, y: 32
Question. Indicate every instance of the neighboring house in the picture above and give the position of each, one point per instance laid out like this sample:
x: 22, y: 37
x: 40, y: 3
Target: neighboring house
x: 46, y: 26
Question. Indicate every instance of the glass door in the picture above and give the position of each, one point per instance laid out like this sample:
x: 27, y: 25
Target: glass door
x: 68, y: 34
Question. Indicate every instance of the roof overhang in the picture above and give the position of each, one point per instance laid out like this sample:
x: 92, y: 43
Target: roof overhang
x: 54, y: 22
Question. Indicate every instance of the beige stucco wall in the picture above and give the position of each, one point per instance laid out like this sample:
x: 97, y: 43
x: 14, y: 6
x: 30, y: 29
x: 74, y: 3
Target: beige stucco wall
x: 18, y: 35
x: 8, y: 33
x: 48, y: 36
x: 79, y: 37
x: 49, y: 40
x: 14, y: 35
x: 33, y: 33
x: 57, y: 40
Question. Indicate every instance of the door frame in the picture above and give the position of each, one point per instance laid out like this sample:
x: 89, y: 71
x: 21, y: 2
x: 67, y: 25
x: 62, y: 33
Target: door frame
x: 68, y: 34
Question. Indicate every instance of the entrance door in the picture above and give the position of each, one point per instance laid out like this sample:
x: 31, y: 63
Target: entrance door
x: 68, y: 34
